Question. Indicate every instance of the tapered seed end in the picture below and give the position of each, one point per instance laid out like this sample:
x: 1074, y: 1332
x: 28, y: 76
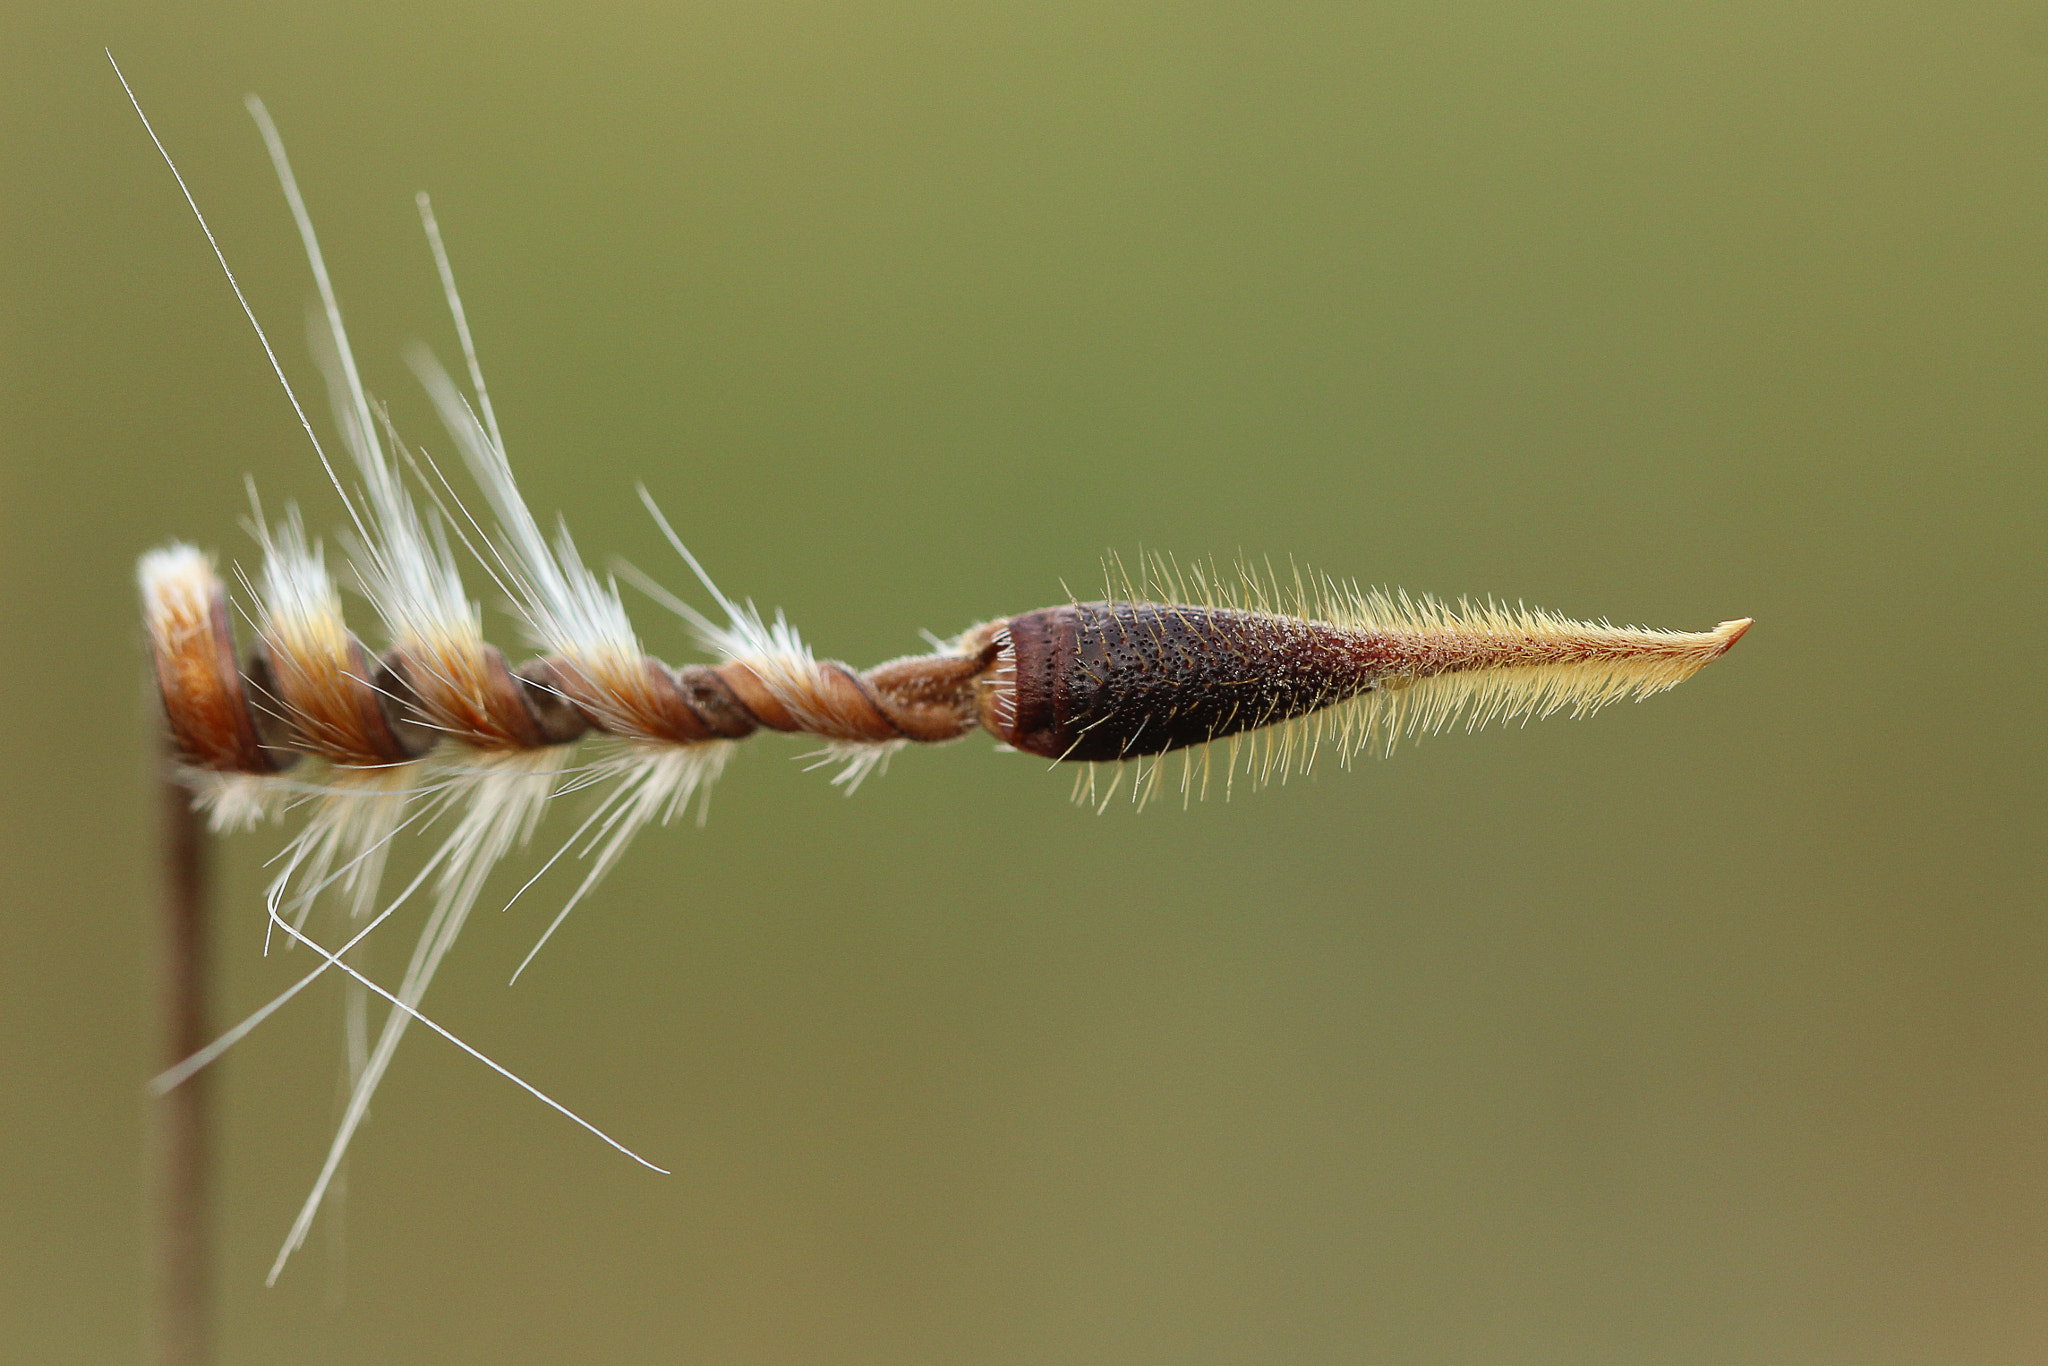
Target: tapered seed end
x: 1729, y: 632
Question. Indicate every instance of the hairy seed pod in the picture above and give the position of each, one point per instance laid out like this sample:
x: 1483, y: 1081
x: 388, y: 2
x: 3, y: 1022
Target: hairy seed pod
x: 1104, y: 681
x: 1119, y: 680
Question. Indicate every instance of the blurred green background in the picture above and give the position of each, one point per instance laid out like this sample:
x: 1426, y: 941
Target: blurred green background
x: 1713, y: 1030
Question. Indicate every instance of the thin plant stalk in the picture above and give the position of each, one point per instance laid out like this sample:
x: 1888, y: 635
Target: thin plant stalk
x: 183, y: 1334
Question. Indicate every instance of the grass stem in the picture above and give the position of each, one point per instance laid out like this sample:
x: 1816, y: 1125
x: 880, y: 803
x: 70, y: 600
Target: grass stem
x: 183, y: 1260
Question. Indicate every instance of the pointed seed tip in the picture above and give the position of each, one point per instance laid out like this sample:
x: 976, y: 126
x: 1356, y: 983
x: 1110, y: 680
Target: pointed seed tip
x: 1732, y: 631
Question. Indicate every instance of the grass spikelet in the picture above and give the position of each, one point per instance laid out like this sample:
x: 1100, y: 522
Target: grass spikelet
x: 1250, y: 673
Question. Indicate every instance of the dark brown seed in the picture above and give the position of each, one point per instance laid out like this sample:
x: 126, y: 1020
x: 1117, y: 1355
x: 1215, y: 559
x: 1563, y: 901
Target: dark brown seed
x: 1107, y: 681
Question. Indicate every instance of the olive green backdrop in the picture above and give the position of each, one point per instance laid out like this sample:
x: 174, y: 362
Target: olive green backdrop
x: 1713, y: 1030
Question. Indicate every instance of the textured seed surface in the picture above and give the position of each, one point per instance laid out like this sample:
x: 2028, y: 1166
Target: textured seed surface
x: 1105, y: 681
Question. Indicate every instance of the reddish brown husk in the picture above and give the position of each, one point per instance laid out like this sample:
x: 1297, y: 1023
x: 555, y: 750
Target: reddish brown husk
x: 1116, y: 680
